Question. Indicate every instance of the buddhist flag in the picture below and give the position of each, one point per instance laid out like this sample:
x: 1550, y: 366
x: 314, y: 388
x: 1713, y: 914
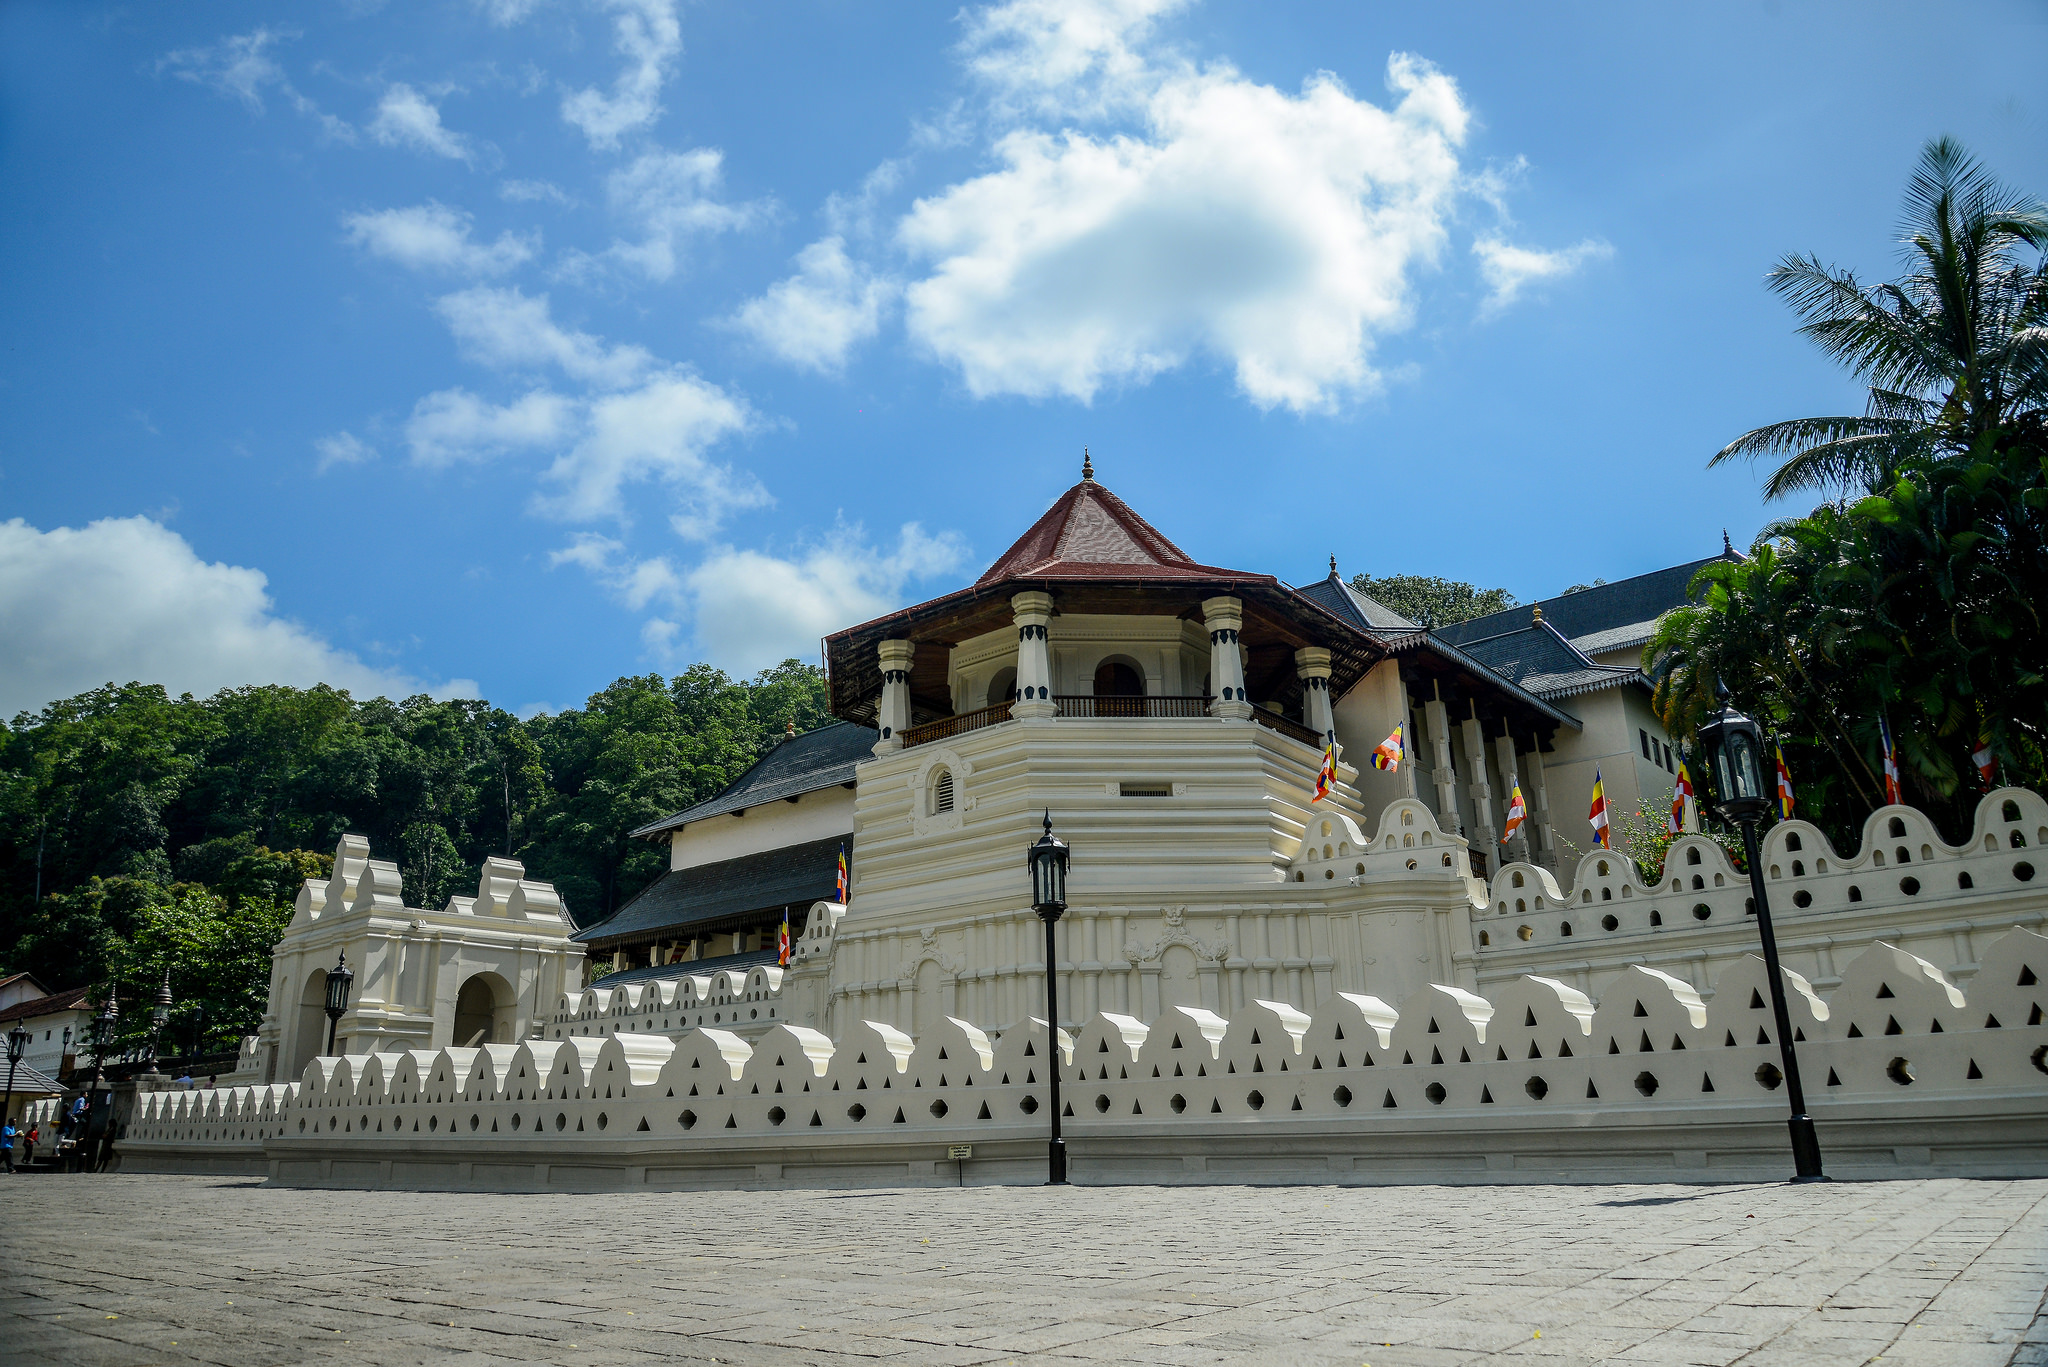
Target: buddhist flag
x: 1891, y: 763
x: 1982, y: 758
x: 1784, y: 785
x: 1326, y: 777
x: 1518, y: 810
x: 1598, y: 816
x: 842, y: 875
x: 1681, y: 800
x: 782, y: 943
x: 1388, y: 756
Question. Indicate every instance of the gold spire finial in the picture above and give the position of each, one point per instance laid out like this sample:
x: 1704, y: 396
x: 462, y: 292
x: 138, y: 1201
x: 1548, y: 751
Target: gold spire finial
x: 1538, y: 610
x: 1087, y: 466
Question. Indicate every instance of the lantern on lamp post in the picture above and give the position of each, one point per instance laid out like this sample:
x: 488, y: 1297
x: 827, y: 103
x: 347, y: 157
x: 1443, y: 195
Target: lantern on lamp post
x: 339, y: 980
x: 1735, y: 758
x: 17, y: 1045
x: 1047, y: 858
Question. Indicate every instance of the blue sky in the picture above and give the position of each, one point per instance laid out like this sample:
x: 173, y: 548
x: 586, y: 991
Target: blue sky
x: 507, y: 346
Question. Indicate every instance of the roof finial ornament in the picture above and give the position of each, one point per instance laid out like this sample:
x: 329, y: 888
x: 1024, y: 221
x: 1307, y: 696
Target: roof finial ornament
x: 1333, y: 564
x: 1727, y: 546
x: 1538, y: 617
x: 1087, y: 466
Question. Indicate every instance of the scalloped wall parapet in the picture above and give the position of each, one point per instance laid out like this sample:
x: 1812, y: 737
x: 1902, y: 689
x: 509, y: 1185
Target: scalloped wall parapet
x: 1896, y: 1036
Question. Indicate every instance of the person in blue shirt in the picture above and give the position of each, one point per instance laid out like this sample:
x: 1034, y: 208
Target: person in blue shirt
x: 7, y: 1141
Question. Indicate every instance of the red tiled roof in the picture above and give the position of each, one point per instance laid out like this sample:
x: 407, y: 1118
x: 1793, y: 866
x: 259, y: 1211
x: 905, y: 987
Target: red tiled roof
x: 1090, y: 533
x: 74, y: 1000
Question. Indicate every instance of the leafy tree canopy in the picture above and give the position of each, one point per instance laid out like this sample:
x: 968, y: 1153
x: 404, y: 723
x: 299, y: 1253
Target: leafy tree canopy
x: 1425, y: 598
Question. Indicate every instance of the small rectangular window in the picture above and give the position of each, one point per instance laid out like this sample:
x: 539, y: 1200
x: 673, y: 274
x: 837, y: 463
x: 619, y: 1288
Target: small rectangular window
x: 1145, y: 789
x: 1669, y: 767
x: 1643, y: 739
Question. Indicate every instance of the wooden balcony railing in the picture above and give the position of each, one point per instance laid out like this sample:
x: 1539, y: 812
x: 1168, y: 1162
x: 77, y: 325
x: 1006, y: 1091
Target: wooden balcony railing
x: 955, y: 726
x: 1091, y: 705
x: 1286, y: 726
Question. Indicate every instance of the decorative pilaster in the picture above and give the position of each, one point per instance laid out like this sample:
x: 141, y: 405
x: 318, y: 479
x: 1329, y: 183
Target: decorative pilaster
x: 1224, y: 617
x: 1034, y: 656
x: 1441, y: 771
x: 1538, y: 793
x: 1486, y: 833
x: 1312, y: 666
x: 893, y: 716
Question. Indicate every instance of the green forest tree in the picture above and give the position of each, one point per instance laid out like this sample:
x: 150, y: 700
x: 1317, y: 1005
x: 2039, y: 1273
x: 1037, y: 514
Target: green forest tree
x: 1427, y: 599
x: 141, y: 832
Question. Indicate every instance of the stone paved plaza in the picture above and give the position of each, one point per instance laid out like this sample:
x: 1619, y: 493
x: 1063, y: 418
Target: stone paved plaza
x: 138, y: 1269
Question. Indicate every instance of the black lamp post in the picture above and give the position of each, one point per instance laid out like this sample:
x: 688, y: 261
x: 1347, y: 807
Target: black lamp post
x: 1735, y: 751
x: 1048, y: 861
x: 159, y: 1016
x: 17, y: 1045
x: 339, y: 980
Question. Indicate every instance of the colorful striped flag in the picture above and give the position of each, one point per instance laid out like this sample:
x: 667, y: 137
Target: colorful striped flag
x: 1984, y: 760
x: 1892, y: 795
x: 1518, y: 810
x: 1388, y: 755
x: 1326, y: 776
x: 1598, y: 816
x: 842, y: 875
x: 782, y: 943
x: 1681, y: 800
x: 1784, y: 785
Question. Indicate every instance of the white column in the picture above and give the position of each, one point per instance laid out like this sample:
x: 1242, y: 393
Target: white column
x: 1538, y: 794
x: 1312, y: 666
x: 1479, y: 789
x: 1224, y: 618
x: 894, y: 714
x: 1034, y: 656
x: 1504, y: 757
x: 1441, y: 773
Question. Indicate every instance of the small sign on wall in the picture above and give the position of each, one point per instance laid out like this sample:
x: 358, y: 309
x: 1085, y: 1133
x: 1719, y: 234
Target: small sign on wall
x: 959, y: 1151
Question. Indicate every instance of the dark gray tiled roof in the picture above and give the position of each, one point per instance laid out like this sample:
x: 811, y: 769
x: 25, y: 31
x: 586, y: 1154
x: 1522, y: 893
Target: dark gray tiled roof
x: 1354, y: 607
x: 1602, y: 608
x: 823, y: 758
x: 709, y: 893
x: 753, y: 958
x: 1542, y: 661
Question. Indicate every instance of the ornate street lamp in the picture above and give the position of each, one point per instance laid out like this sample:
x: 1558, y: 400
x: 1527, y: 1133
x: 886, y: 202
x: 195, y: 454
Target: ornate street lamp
x: 1735, y: 751
x: 17, y: 1045
x: 159, y: 1016
x: 1048, y: 862
x: 339, y: 980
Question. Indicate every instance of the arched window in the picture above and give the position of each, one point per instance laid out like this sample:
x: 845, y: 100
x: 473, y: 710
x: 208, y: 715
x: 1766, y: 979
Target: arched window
x: 942, y: 791
x: 1003, y: 687
x: 1115, y: 681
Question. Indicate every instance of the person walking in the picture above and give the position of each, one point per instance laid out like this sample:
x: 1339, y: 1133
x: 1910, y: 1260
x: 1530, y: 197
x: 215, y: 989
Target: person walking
x: 28, y: 1146
x: 7, y: 1141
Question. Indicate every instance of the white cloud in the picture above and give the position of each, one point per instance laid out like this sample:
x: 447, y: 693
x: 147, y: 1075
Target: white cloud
x: 432, y: 236
x: 406, y: 118
x: 241, y: 66
x: 343, y: 448
x: 657, y: 433
x: 1065, y: 57
x: 455, y: 425
x: 127, y: 599
x: 513, y: 331
x: 672, y: 196
x: 814, y: 318
x: 1507, y: 269
x: 531, y: 191
x: 1277, y: 232
x: 649, y: 36
x: 505, y: 13
x: 748, y: 610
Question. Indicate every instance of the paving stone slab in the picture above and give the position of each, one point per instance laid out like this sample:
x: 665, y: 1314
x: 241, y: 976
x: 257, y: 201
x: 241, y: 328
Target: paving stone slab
x: 226, y: 1272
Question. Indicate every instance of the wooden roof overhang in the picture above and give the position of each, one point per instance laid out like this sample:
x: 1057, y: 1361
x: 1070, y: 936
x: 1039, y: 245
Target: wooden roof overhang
x: 1433, y: 668
x: 1277, y: 622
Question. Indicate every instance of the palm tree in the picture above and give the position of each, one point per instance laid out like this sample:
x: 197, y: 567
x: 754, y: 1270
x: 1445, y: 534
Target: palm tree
x: 1955, y: 353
